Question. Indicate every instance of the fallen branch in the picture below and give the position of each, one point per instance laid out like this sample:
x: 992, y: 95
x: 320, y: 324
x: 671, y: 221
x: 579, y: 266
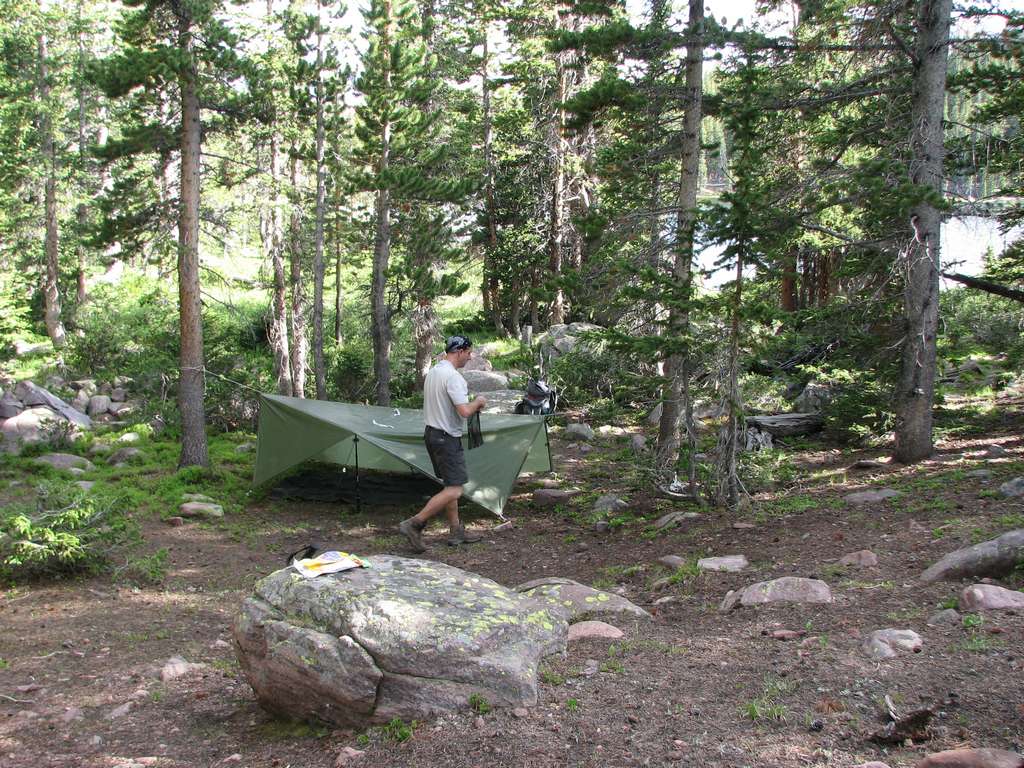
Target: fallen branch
x: 986, y: 285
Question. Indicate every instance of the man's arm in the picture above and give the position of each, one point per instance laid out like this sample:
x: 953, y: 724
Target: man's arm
x: 468, y: 409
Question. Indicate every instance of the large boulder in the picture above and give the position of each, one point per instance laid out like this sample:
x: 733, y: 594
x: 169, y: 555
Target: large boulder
x: 30, y: 426
x: 788, y: 589
x: 575, y: 602
x: 814, y: 398
x: 10, y: 406
x: 972, y: 758
x: 478, y: 363
x: 484, y: 381
x: 401, y: 638
x: 561, y: 339
x: 995, y: 557
x: 30, y: 392
x: 66, y: 461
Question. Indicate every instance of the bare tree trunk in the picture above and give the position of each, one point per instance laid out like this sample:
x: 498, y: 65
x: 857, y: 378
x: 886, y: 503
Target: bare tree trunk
x: 491, y: 288
x: 51, y: 284
x: 274, y: 246
x: 556, y: 224
x: 82, y: 212
x: 320, y: 371
x: 380, y: 315
x: 338, y: 304
x: 679, y: 366
x: 727, y: 486
x: 916, y: 393
x: 191, y: 387
x: 297, y: 317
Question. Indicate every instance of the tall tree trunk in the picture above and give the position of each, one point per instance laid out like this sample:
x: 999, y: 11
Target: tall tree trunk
x: 678, y: 368
x: 274, y: 246
x: 320, y: 371
x: 338, y: 303
x: 191, y: 386
x: 727, y: 486
x: 921, y: 255
x: 51, y: 284
x: 556, y: 224
x: 297, y: 317
x: 82, y: 211
x: 380, y: 315
x: 491, y: 287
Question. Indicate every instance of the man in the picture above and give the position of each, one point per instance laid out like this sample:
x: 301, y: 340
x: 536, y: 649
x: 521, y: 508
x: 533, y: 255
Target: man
x: 445, y: 405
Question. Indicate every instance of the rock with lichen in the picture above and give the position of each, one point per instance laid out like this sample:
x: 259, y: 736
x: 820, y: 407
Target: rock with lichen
x: 401, y: 638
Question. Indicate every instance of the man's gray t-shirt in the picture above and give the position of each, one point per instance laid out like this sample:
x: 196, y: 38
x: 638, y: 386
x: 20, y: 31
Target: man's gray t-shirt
x: 443, y: 389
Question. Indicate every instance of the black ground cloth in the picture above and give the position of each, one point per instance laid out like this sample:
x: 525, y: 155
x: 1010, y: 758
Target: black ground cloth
x: 328, y: 483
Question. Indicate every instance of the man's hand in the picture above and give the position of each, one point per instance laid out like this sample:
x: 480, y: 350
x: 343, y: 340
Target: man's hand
x: 480, y: 402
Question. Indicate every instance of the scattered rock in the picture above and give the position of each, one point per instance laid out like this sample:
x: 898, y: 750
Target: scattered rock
x: 197, y: 497
x: 346, y: 756
x: 889, y: 643
x: 177, y: 667
x: 550, y: 497
x: 245, y: 447
x: 484, y: 381
x: 201, y: 509
x: 607, y: 430
x: 71, y: 714
x: 672, y: 561
x: 814, y: 398
x: 175, y: 521
x: 743, y: 526
x: 584, y: 630
x: 85, y: 485
x: 981, y: 474
x: 609, y: 503
x: 972, y: 758
x: 98, y: 405
x: 996, y: 451
x: 402, y: 638
x: 865, y: 558
x: 730, y: 563
x: 869, y: 464
x: 578, y: 431
x: 521, y: 712
x: 946, y: 616
x: 1011, y: 489
x: 872, y: 764
x: 120, y: 711
x: 639, y: 443
x: 602, y: 526
x: 65, y: 461
x: 787, y: 634
x: 124, y: 456
x: 575, y: 602
x: 788, y: 589
x: 996, y: 557
x: 674, y: 518
x: 118, y: 395
x: 872, y: 496
x: 989, y: 597
x: 10, y: 406
x: 129, y: 438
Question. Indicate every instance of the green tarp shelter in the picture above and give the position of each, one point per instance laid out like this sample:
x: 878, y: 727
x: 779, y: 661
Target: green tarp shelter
x: 293, y: 430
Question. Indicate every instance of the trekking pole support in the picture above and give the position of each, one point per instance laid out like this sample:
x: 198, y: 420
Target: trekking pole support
x: 359, y: 501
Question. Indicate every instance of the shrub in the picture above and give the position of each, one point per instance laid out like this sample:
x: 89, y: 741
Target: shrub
x: 66, y: 532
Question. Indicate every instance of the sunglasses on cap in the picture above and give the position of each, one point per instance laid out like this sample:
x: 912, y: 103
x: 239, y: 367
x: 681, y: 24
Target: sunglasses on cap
x: 457, y: 343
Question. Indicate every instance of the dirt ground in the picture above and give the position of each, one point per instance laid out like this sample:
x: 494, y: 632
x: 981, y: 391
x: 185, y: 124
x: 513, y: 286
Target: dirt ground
x: 697, y: 687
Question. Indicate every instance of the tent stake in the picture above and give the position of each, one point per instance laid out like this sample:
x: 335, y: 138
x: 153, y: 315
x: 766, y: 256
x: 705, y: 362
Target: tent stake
x: 359, y: 504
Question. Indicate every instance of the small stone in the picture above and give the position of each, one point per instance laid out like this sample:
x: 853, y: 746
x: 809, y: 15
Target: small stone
x: 582, y: 432
x: 65, y: 461
x: 1011, y: 489
x: 128, y: 438
x: 245, y: 447
x: 120, y: 711
x: 201, y: 509
x: 743, y: 526
x: 728, y: 563
x: 478, y: 723
x: 346, y: 756
x: 787, y: 634
x: 668, y: 599
x: 674, y: 518
x: 591, y: 667
x: 550, y: 497
x: 816, y: 725
x: 865, y: 558
x: 973, y: 758
x: 996, y: 451
x: 602, y: 526
x: 585, y: 630
x: 989, y: 597
x: 872, y: 764
x: 235, y: 758
x: 639, y: 443
x: 96, y: 741
x: 981, y: 474
x: 98, y: 405
x: 787, y: 589
x: 175, y: 522
x: 947, y: 616
x: 520, y: 712
x: 71, y: 714
x: 871, y: 497
x: 85, y: 485
x: 124, y: 456
x: 221, y: 645
x: 176, y: 667
x: 672, y: 561
x: 888, y: 643
x: 609, y: 503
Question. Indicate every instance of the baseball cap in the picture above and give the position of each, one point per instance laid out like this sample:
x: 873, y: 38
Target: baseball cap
x: 457, y: 342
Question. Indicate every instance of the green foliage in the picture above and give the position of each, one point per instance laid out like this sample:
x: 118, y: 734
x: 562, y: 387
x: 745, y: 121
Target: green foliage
x: 595, y: 373
x: 479, y: 704
x: 861, y: 407
x: 766, y: 469
x: 397, y: 730
x: 975, y: 322
x: 146, y: 570
x: 65, y: 531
